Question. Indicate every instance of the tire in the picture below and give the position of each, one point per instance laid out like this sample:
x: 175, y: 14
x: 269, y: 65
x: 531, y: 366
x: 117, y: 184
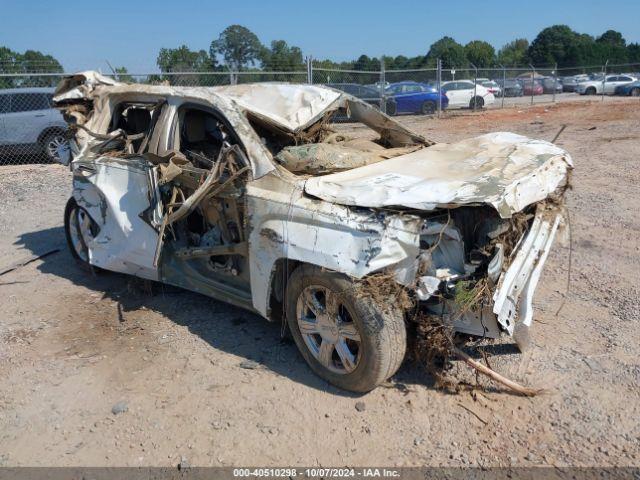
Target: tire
x: 590, y: 91
x: 50, y: 143
x: 428, y: 108
x: 478, y: 102
x: 635, y: 92
x: 74, y: 235
x: 375, y: 341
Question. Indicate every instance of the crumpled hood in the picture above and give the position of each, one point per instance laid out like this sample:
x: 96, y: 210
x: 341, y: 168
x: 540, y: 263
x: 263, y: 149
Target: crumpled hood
x: 504, y: 170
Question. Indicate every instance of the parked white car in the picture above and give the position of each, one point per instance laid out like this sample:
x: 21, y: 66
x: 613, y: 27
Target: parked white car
x: 29, y: 124
x: 465, y: 93
x: 594, y: 87
x: 493, y: 87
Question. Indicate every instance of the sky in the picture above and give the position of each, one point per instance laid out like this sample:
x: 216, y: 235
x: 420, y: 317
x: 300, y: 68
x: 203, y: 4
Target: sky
x: 84, y: 35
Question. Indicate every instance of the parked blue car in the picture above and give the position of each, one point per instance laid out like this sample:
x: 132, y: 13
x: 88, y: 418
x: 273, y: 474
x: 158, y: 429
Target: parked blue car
x: 632, y: 89
x: 414, y: 97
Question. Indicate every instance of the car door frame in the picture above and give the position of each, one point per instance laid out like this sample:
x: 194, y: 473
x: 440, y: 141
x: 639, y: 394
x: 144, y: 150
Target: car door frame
x: 191, y: 273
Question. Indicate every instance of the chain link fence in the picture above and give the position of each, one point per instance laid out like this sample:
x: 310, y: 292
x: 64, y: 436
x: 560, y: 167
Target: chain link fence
x: 31, y: 130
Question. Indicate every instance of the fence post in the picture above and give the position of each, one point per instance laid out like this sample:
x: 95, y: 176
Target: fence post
x: 310, y: 70
x: 439, y: 83
x: 604, y: 76
x: 555, y: 81
x: 475, y: 85
x: 533, y: 74
x: 504, y: 83
x: 383, y: 103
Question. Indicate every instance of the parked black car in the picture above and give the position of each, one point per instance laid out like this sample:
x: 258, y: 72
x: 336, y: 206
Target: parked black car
x: 365, y: 93
x: 510, y: 87
x: 569, y: 84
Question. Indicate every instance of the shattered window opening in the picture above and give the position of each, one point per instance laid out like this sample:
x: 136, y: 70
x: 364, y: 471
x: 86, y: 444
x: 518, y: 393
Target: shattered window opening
x: 320, y: 149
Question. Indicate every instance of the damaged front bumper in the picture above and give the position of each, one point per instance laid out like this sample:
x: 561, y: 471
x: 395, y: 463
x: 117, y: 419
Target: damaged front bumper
x: 513, y: 298
x: 512, y: 278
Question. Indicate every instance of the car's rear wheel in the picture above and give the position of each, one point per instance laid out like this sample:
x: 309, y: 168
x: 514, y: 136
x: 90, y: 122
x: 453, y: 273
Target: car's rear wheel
x: 79, y: 229
x: 476, y: 102
x: 590, y: 91
x: 635, y: 92
x: 51, y: 143
x: 348, y: 340
x: 428, y: 108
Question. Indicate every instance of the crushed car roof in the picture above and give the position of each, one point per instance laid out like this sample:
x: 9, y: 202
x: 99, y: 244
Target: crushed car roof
x: 291, y: 106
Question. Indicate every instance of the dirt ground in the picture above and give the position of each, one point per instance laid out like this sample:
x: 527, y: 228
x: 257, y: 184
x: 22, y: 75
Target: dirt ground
x: 205, y: 382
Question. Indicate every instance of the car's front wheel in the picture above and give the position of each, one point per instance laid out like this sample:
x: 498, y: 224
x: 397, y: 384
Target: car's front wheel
x: 635, y: 92
x: 350, y: 340
x: 428, y: 108
x: 79, y: 229
x: 52, y: 143
x: 590, y: 91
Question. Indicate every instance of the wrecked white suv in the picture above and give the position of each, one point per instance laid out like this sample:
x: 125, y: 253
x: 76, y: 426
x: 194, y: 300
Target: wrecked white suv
x: 247, y: 194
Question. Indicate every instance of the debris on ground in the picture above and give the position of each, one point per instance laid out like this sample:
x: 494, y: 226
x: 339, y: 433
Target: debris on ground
x: 436, y: 346
x: 249, y: 365
x: 120, y: 407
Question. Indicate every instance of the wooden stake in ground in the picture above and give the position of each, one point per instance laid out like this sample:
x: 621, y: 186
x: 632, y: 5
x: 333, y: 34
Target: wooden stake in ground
x: 516, y: 387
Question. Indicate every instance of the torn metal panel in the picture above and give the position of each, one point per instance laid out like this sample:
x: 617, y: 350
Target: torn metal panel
x: 292, y: 107
x: 115, y: 193
x: 80, y: 85
x: 504, y: 170
x: 513, y: 299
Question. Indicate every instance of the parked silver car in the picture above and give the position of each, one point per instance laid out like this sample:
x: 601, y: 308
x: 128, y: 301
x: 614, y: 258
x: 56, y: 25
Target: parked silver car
x: 29, y: 124
x: 608, y: 86
x: 247, y: 194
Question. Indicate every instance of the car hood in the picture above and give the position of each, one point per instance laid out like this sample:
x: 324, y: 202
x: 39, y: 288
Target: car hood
x: 503, y: 170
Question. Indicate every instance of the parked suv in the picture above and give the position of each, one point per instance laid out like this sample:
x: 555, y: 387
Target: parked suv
x: 29, y: 124
x: 246, y: 193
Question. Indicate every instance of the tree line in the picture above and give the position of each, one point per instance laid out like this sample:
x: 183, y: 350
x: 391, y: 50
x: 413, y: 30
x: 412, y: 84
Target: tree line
x: 239, y: 49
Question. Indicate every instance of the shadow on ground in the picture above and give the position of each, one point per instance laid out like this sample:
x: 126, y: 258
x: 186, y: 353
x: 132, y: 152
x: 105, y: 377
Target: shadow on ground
x: 223, y: 326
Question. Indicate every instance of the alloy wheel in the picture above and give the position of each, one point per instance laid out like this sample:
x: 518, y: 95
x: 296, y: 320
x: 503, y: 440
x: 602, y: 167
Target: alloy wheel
x: 328, y: 329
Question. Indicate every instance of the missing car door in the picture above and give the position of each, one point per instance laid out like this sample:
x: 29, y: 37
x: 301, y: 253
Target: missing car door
x: 204, y: 185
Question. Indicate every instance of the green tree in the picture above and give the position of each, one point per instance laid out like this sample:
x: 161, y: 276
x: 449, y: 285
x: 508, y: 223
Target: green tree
x: 633, y: 52
x: 613, y: 38
x: 366, y: 63
x: 612, y: 46
x: 480, y: 53
x: 514, y: 53
x: 282, y: 57
x: 182, y: 59
x: 28, y: 63
x: 400, y: 62
x: 449, y: 51
x: 559, y: 44
x: 239, y: 47
x: 174, y: 61
x: 8, y: 64
x: 33, y: 61
x: 123, y: 75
